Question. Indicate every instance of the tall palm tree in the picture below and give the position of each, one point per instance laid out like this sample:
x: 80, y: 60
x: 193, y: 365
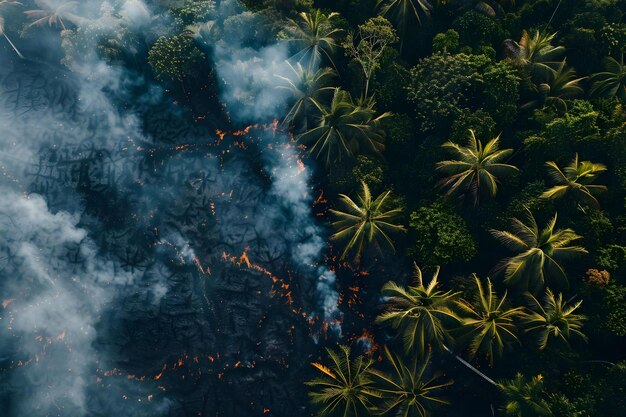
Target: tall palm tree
x: 537, y: 51
x: 365, y: 222
x: 53, y: 16
x: 554, y: 319
x: 407, y: 391
x: 404, y: 13
x: 525, y: 398
x: 477, y: 168
x: 612, y: 82
x: 6, y: 7
x: 345, y: 387
x: 537, y: 253
x: 315, y: 35
x: 344, y: 129
x: 489, y: 322
x: 307, y: 87
x: 420, y: 311
x: 575, y: 179
x: 560, y: 85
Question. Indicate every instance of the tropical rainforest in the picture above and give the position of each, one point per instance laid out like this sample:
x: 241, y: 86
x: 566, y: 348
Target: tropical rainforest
x: 313, y: 208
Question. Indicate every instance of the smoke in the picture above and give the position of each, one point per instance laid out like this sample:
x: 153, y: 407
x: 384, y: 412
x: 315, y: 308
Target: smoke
x: 75, y: 177
x: 250, y: 78
x: 55, y: 281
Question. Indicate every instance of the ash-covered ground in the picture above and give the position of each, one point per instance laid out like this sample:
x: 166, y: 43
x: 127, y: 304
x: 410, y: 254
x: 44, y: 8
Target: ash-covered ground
x: 152, y: 261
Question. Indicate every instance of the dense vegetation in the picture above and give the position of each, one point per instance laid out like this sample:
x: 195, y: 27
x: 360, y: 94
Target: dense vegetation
x: 473, y: 154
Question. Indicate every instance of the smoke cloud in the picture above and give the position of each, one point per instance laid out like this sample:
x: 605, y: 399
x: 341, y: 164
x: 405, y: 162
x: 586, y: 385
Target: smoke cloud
x: 95, y: 212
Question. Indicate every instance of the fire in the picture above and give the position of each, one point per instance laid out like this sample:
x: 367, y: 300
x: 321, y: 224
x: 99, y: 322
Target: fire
x: 7, y: 301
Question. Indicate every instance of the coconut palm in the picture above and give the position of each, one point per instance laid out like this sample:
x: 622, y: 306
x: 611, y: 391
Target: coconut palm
x: 315, y: 35
x: 420, y: 311
x: 537, y: 253
x: 53, y: 16
x: 612, y: 82
x: 489, y: 323
x: 6, y: 7
x: 477, y: 168
x: 345, y: 128
x: 537, y: 51
x: 365, y: 222
x: 560, y: 85
x: 404, y: 13
x: 524, y: 398
x: 575, y: 179
x: 554, y: 319
x: 407, y: 390
x: 345, y: 387
x: 307, y: 87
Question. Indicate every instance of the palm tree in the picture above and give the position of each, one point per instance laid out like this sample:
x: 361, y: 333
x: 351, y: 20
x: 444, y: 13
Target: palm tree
x: 315, y: 35
x: 612, y: 82
x: 476, y: 169
x: 525, y: 398
x: 344, y: 128
x: 344, y: 388
x: 490, y: 324
x: 537, y: 253
x: 554, y: 319
x: 365, y: 221
x: 537, y: 51
x: 420, y: 311
x: 575, y: 179
x: 307, y: 87
x: 406, y: 391
x: 6, y: 6
x: 404, y: 13
x: 53, y: 17
x: 559, y: 86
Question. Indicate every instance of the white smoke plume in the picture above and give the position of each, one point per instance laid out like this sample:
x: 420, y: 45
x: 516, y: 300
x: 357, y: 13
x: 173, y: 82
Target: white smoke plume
x: 252, y: 95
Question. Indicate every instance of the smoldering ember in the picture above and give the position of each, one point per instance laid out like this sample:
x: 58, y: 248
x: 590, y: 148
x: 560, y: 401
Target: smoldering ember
x: 312, y: 208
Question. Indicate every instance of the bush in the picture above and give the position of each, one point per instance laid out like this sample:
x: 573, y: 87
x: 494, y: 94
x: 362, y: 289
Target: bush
x: 174, y: 58
x: 446, y: 41
x: 442, y: 236
x: 443, y: 84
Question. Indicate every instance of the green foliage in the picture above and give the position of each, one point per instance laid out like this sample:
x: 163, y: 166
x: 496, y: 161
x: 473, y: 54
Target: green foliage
x: 174, y: 58
x: 387, y: 78
x: 366, y: 222
x: 612, y: 82
x: 408, y: 390
x: 476, y: 169
x: 443, y: 84
x: 525, y: 398
x: 480, y: 121
x: 613, y: 37
x: 576, y: 128
x: 308, y: 88
x: 615, y: 299
x: 370, y: 171
x: 368, y: 45
x: 345, y: 388
x: 553, y: 319
x: 193, y: 11
x: 442, y: 236
x: 612, y: 257
x: 475, y: 29
x: 488, y: 321
x: 447, y: 41
x: 575, y: 179
x: 421, y: 313
x: 346, y: 128
x: 315, y: 37
x: 537, y: 252
x: 501, y: 91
